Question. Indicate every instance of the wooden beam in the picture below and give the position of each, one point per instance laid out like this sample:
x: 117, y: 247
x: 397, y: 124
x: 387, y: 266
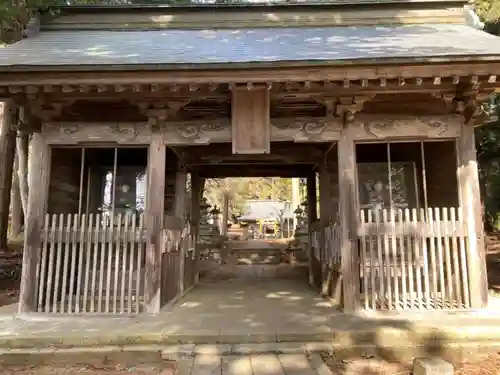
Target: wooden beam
x: 272, y: 170
x: 470, y: 197
x: 7, y: 152
x: 153, y: 219
x: 39, y: 175
x: 271, y: 73
x: 348, y: 220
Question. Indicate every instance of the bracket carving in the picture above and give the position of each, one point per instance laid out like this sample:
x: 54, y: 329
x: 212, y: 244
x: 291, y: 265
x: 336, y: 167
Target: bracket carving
x: 349, y: 106
x: 470, y: 106
x: 159, y: 112
x: 47, y: 111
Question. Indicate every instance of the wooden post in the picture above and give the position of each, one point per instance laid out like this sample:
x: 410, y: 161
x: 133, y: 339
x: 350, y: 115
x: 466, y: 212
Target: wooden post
x: 7, y: 152
x: 180, y: 193
x: 312, y: 216
x: 468, y: 184
x: 180, y: 211
x: 295, y: 201
x: 225, y: 213
x: 37, y: 207
x: 153, y: 219
x: 325, y: 206
x: 348, y: 220
x: 16, y: 221
x: 197, y: 184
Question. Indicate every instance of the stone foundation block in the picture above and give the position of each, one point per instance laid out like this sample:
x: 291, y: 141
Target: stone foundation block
x: 432, y: 366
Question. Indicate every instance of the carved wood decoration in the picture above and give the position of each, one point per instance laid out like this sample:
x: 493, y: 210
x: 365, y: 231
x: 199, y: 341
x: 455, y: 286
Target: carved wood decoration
x: 197, y: 132
x: 372, y: 127
x: 74, y: 133
x: 306, y: 129
x: 251, y: 130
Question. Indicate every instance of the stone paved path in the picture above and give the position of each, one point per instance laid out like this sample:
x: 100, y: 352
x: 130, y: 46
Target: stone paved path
x: 260, y: 364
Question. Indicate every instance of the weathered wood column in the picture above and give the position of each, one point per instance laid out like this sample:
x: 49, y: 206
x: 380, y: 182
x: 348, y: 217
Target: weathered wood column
x: 348, y: 220
x: 312, y: 216
x: 470, y: 198
x: 180, y: 212
x: 197, y: 184
x: 325, y: 206
x: 39, y: 176
x: 7, y: 152
x: 153, y: 219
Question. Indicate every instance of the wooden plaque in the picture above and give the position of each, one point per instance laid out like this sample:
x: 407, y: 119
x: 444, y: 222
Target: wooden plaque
x: 251, y: 126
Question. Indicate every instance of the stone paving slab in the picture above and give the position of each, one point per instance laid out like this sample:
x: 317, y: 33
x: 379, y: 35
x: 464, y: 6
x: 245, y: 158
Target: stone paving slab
x: 258, y: 364
x: 240, y: 313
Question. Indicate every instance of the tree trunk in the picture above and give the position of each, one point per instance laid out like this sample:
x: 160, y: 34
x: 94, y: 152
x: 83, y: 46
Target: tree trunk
x: 22, y: 146
x: 16, y: 220
x: 7, y: 151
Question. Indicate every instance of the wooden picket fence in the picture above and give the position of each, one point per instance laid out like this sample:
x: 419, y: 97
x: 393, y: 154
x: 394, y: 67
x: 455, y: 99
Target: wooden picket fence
x: 91, y: 264
x: 95, y: 264
x: 413, y: 259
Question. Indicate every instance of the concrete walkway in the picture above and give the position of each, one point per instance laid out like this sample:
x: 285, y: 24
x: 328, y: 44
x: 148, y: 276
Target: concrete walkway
x: 248, y: 311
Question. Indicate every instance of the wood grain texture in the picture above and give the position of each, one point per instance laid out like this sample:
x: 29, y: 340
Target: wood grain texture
x: 251, y: 129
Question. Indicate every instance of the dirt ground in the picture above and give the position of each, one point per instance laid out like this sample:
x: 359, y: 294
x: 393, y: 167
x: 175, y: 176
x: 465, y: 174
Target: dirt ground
x: 489, y: 364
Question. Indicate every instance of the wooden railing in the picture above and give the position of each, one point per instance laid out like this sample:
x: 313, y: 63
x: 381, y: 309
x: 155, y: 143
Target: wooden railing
x: 413, y: 259
x: 178, y: 262
x: 91, y: 264
x: 332, y: 244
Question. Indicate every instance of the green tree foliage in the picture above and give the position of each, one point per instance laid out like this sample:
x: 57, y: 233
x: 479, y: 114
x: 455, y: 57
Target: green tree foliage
x: 488, y: 136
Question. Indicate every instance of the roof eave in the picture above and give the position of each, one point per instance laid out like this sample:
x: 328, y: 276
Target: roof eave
x: 271, y: 5
x: 250, y: 65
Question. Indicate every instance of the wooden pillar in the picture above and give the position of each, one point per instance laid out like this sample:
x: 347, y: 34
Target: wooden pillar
x: 468, y: 185
x: 180, y: 212
x: 7, y: 152
x: 153, y: 220
x: 197, y: 184
x: 37, y: 207
x: 325, y: 207
x: 348, y: 220
x: 312, y: 216
x: 225, y: 213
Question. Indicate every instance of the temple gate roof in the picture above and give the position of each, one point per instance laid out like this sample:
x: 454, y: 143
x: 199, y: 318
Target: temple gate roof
x: 99, y: 49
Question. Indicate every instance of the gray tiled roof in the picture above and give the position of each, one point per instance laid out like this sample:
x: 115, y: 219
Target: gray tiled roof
x: 172, y: 47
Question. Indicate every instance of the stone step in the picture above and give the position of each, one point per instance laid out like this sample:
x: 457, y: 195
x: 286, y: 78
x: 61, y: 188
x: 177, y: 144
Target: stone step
x: 162, y: 356
x: 276, y: 359
x: 257, y: 256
